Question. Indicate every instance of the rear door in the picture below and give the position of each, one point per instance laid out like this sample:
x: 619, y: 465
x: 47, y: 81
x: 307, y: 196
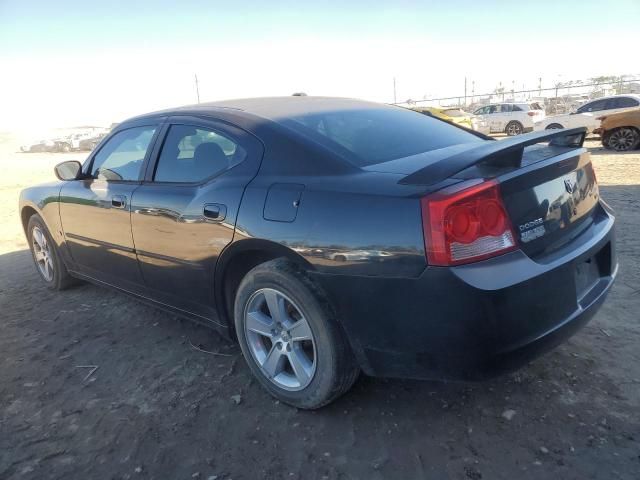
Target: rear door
x: 96, y: 211
x: 506, y: 115
x: 184, y: 213
x: 587, y: 114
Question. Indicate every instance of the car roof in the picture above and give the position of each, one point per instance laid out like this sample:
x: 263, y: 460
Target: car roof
x: 633, y: 95
x: 274, y: 108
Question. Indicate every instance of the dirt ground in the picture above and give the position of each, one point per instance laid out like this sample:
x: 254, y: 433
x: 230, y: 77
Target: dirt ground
x: 156, y: 407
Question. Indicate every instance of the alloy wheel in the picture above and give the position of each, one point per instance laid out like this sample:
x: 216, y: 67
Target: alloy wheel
x: 514, y: 129
x: 280, y: 339
x: 623, y: 139
x: 42, y: 253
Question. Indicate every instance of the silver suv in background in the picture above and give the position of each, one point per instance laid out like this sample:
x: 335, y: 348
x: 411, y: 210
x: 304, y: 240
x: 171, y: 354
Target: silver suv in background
x: 511, y: 118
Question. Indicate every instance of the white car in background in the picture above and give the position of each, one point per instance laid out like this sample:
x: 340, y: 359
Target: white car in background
x: 511, y: 118
x: 587, y: 115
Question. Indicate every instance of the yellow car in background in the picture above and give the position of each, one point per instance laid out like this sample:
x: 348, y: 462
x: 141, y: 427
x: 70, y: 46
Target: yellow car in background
x: 456, y: 115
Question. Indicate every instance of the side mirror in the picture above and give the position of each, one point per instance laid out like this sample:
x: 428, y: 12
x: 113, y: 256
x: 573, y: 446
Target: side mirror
x: 70, y: 170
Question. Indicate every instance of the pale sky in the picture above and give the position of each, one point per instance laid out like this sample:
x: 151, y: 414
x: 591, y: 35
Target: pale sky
x: 65, y: 63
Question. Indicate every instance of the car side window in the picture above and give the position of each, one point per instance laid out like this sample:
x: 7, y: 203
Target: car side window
x: 193, y: 154
x: 516, y: 108
x: 592, y: 106
x: 121, y: 158
x: 507, y: 108
x: 624, y: 102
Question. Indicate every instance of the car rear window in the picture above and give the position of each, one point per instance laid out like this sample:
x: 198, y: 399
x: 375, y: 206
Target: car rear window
x: 370, y: 136
x: 623, y: 102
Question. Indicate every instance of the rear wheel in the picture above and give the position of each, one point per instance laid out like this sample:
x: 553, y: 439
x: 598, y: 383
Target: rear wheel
x: 513, y: 128
x: 553, y: 126
x: 621, y: 139
x: 290, y: 338
x: 48, y: 263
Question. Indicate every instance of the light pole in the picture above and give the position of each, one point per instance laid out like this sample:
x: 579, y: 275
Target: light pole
x: 395, y: 97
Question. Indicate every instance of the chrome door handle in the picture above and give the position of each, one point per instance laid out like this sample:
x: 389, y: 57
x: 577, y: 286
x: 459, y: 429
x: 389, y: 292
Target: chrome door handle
x: 118, y: 201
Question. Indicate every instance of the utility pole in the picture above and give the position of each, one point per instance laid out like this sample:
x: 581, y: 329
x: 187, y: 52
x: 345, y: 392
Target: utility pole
x: 465, y: 91
x: 197, y: 88
x: 395, y: 98
x: 540, y: 86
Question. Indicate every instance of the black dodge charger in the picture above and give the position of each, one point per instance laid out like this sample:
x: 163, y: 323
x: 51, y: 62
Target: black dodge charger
x: 332, y: 236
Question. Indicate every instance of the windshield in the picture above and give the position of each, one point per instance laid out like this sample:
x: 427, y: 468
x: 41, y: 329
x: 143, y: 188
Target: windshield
x: 369, y: 136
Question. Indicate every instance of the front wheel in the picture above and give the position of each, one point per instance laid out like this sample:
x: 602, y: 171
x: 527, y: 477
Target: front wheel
x: 554, y: 126
x: 290, y: 338
x: 45, y: 254
x: 621, y: 139
x: 514, y: 128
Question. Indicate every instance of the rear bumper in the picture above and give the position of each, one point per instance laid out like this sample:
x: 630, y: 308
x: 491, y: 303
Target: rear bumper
x: 473, y: 321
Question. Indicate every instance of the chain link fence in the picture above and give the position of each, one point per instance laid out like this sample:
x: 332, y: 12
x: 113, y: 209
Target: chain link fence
x: 561, y: 98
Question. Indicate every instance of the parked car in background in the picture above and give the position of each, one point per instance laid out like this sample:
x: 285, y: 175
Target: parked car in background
x: 511, y: 118
x: 620, y: 131
x: 91, y: 142
x: 63, y: 144
x: 84, y: 138
x: 587, y: 115
x: 456, y: 115
x: 38, y: 147
x: 461, y: 257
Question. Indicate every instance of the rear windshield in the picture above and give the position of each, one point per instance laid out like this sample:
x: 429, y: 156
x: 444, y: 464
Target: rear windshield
x: 369, y: 136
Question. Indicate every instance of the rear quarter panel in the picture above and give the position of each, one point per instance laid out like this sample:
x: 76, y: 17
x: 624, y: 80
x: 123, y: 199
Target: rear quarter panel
x: 357, y: 224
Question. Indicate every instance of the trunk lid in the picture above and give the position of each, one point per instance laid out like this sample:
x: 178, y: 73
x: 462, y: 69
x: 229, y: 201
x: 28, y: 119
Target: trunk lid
x: 546, y: 179
x: 551, y: 199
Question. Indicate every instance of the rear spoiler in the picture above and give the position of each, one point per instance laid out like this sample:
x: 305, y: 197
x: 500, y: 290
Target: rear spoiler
x: 503, y: 152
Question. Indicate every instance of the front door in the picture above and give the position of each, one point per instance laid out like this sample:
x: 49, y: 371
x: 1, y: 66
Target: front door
x: 184, y: 213
x: 96, y: 211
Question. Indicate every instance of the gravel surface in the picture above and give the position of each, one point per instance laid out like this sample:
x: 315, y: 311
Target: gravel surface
x: 95, y: 385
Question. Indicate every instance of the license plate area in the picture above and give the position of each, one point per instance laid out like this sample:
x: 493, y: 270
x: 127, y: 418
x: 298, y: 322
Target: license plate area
x: 589, y: 272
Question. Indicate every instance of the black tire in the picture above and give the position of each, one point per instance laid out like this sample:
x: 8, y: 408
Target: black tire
x: 335, y: 367
x: 621, y: 139
x: 60, y: 278
x: 513, y: 128
x: 553, y: 126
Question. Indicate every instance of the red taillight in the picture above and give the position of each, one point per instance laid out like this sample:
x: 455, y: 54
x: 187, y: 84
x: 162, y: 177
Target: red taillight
x: 463, y: 225
x: 532, y: 113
